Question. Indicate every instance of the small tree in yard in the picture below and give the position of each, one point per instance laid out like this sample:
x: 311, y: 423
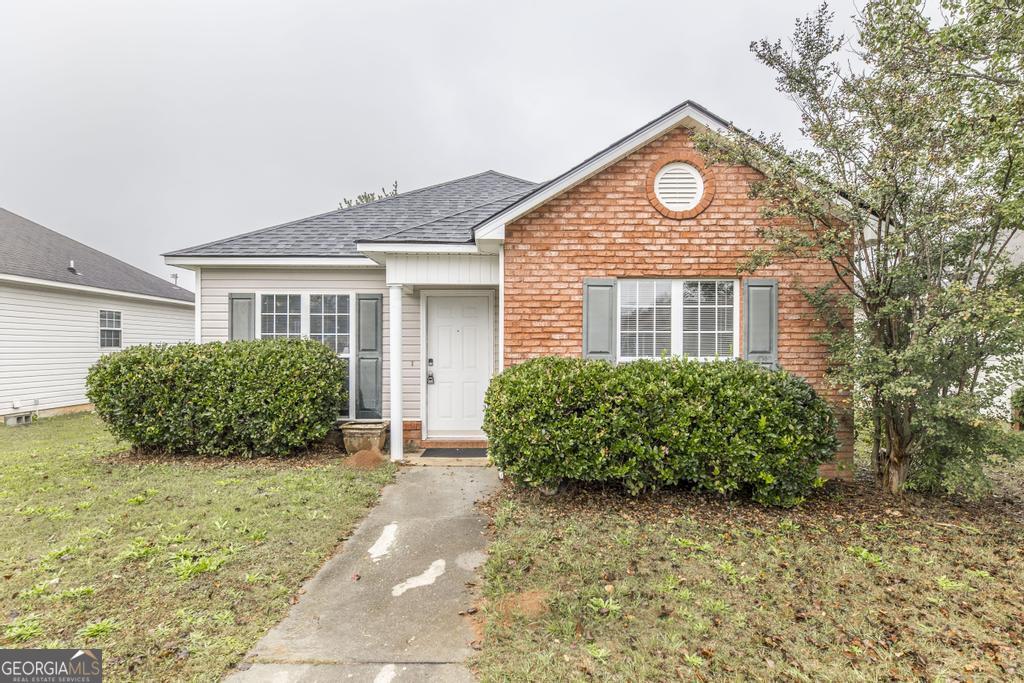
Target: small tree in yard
x: 912, y: 188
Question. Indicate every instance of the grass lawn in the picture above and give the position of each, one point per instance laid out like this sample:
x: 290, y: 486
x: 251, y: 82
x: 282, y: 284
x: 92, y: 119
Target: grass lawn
x: 682, y: 586
x: 174, y: 567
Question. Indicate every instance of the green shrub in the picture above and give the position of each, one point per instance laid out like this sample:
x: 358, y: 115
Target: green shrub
x: 236, y: 398
x: 725, y: 426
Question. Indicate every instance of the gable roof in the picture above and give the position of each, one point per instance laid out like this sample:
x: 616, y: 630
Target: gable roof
x: 32, y: 251
x: 444, y: 213
x: 689, y: 112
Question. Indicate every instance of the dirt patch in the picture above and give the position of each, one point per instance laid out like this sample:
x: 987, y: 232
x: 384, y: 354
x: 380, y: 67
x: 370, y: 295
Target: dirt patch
x: 366, y: 459
x: 529, y: 604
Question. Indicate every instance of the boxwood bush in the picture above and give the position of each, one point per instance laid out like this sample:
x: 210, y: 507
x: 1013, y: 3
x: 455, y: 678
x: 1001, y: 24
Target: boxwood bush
x: 235, y: 398
x: 724, y: 426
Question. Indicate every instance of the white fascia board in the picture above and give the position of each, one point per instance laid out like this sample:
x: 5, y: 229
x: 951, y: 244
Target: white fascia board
x: 243, y: 261
x: 688, y: 114
x: 86, y: 289
x: 416, y: 248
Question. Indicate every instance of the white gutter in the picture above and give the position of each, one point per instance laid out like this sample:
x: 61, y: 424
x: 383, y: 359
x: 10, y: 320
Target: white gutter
x: 243, y: 261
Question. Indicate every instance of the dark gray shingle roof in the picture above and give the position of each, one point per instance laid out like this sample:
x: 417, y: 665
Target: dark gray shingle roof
x: 444, y: 213
x: 28, y: 249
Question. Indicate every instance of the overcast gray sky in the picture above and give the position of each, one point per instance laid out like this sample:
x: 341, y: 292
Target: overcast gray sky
x: 139, y: 127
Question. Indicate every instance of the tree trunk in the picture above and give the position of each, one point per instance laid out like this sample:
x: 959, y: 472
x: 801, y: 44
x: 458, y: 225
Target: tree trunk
x: 894, y: 472
x: 878, y: 454
x: 896, y: 465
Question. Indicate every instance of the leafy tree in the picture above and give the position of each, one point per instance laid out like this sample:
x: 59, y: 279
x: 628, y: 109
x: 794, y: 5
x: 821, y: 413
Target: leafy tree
x: 367, y: 197
x: 912, y: 188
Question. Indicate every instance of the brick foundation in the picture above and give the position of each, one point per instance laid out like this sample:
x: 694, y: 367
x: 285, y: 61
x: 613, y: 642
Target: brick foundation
x: 608, y: 227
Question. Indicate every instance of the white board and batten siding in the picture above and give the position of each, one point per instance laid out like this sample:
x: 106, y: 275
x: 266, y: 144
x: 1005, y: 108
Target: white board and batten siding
x: 443, y: 269
x: 49, y: 338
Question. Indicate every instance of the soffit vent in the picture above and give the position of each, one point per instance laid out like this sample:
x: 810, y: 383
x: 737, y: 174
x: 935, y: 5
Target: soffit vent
x: 679, y: 186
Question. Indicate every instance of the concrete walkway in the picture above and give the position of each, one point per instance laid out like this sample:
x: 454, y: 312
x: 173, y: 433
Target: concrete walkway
x: 399, y: 621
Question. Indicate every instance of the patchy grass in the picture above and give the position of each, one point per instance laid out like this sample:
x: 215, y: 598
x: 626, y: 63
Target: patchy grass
x: 682, y: 586
x: 174, y: 566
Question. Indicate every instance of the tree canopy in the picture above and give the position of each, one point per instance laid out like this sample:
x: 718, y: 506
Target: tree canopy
x: 911, y: 184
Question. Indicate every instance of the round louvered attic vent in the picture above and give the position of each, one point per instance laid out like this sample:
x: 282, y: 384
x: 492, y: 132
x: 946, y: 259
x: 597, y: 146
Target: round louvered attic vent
x: 678, y: 186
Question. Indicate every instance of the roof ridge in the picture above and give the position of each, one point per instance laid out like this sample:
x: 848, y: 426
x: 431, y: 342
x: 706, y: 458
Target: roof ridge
x: 335, y: 211
x: 451, y: 215
x: 96, y: 251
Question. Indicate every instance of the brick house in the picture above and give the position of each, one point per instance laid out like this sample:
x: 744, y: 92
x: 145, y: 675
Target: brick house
x: 632, y: 253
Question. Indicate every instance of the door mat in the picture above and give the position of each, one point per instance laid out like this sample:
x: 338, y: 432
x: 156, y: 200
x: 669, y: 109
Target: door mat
x: 454, y: 453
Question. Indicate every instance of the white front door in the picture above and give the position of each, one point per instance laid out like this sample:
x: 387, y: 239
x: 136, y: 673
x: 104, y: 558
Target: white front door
x: 458, y: 363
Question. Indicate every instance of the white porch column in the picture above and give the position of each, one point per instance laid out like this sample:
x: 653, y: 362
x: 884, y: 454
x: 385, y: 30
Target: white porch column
x: 395, y: 368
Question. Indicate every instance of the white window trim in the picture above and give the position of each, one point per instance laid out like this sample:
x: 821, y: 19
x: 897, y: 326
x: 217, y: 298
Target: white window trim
x: 304, y: 309
x: 677, y: 318
x: 99, y: 334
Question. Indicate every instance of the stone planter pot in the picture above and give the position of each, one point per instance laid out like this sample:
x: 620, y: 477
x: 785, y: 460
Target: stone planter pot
x: 364, y: 436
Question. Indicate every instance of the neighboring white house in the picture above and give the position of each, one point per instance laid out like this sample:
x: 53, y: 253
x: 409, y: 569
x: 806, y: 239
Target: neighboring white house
x: 63, y: 305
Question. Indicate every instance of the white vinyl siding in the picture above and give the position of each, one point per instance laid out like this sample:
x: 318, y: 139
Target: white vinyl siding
x: 49, y: 338
x: 693, y: 318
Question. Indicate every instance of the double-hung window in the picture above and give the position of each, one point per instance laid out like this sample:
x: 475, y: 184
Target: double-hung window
x: 709, y: 312
x: 329, y: 321
x: 694, y: 318
x: 110, y: 329
x: 281, y: 316
x: 645, y: 318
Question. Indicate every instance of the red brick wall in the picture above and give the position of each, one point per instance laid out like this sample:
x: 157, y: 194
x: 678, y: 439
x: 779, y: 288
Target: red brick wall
x: 608, y: 227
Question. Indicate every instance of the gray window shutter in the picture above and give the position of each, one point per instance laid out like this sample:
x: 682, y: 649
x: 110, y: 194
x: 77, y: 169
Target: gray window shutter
x: 369, y: 355
x: 761, y: 322
x: 599, y: 319
x: 241, y: 316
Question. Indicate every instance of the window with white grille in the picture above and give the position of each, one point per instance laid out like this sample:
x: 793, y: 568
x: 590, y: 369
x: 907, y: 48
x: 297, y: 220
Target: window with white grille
x: 329, y: 321
x: 110, y: 329
x: 679, y: 186
x: 708, y: 318
x: 645, y: 318
x: 281, y: 316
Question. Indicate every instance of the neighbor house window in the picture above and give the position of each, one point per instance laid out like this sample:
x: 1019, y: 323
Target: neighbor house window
x: 695, y: 318
x: 329, y: 321
x: 110, y: 329
x: 281, y: 316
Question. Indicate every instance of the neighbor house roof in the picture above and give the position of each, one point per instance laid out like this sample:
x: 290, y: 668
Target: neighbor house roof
x: 445, y: 213
x: 32, y: 252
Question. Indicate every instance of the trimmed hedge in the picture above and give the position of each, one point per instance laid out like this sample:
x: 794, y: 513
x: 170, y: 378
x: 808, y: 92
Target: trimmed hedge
x: 236, y: 398
x: 724, y: 426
